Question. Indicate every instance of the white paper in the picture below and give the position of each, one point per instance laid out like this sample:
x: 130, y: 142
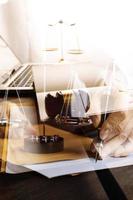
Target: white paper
x: 78, y: 166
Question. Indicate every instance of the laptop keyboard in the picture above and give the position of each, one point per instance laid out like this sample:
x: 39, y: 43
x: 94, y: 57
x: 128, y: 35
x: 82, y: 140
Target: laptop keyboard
x: 20, y: 77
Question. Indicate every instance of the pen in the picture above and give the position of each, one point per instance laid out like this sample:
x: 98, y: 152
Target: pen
x: 99, y: 146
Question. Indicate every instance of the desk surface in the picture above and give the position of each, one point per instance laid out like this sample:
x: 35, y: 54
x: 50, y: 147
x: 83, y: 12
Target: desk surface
x: 105, y: 184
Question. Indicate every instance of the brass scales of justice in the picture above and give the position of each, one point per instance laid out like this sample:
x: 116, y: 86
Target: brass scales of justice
x: 62, y: 115
x: 58, y: 107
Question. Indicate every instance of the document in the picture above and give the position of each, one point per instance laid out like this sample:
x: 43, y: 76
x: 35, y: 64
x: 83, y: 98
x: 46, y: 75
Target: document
x: 61, y: 168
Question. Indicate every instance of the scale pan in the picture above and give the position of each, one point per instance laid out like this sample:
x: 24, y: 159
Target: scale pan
x: 51, y: 49
x: 75, y: 51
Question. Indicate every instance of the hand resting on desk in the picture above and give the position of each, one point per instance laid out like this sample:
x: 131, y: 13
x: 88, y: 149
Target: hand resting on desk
x: 117, y: 135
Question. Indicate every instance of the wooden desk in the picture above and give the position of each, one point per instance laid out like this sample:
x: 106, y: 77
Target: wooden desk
x: 73, y: 144
x: 88, y: 186
x: 104, y: 184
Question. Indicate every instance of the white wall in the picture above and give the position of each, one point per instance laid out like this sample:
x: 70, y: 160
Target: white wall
x: 105, y: 25
x: 102, y: 25
x: 13, y: 27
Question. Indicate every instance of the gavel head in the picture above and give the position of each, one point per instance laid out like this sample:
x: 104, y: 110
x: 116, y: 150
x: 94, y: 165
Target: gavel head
x: 54, y: 104
x: 65, y: 104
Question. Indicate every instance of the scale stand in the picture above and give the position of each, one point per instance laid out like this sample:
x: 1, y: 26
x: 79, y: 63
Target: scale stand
x: 75, y: 51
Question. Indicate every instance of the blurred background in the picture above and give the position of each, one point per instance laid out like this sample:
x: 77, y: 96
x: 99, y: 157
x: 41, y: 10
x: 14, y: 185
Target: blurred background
x: 102, y: 27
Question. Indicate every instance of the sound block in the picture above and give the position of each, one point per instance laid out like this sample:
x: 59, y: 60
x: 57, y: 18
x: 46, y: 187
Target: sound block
x: 44, y: 144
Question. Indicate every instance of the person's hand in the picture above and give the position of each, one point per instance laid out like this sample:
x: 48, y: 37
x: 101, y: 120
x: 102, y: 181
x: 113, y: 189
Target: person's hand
x: 117, y: 135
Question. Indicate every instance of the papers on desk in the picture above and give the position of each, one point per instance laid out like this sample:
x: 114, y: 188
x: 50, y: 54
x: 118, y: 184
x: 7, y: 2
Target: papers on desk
x: 78, y: 166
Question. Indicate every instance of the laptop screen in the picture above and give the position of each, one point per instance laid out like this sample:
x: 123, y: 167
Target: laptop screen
x: 7, y: 58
